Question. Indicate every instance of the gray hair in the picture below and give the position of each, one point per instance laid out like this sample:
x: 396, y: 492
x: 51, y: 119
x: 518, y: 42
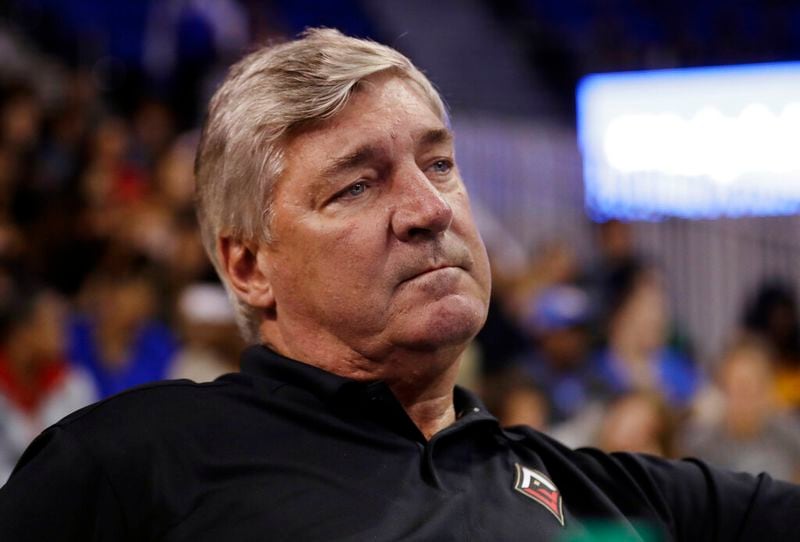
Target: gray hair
x: 265, y: 98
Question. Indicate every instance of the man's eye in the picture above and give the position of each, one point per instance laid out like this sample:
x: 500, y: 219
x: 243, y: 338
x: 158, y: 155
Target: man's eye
x: 442, y: 166
x: 357, y: 189
x: 354, y: 190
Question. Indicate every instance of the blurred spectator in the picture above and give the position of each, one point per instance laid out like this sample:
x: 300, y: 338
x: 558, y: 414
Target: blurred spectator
x: 500, y: 340
x: 20, y: 115
x: 118, y: 338
x: 174, y: 173
x: 747, y: 432
x: 557, y: 359
x: 20, y: 131
x: 111, y: 182
x: 517, y: 400
x: 188, y: 261
x: 167, y: 228
x: 615, y: 253
x: 615, y: 243
x: 503, y: 338
x: 637, y: 356
x: 211, y: 344
x: 772, y: 315
x: 508, y: 256
x: 58, y: 159
x: 638, y: 422
x: 37, y: 386
x: 554, y: 263
x: 153, y: 129
x: 10, y: 234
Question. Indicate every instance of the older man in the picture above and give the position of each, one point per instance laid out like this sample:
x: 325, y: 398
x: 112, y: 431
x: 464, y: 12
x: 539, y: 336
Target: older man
x: 332, y: 208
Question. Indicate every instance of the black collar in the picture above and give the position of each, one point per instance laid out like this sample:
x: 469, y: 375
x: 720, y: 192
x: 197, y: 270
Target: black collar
x: 262, y: 362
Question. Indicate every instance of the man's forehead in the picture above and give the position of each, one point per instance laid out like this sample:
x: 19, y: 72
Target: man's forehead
x: 385, y: 97
x: 385, y: 112
x: 420, y: 139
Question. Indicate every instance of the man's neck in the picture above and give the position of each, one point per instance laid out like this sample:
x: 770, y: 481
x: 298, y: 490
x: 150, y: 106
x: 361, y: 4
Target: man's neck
x: 431, y: 406
x: 430, y: 415
x: 422, y: 381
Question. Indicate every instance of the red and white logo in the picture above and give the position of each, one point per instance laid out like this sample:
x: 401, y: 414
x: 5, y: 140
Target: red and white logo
x: 540, y: 488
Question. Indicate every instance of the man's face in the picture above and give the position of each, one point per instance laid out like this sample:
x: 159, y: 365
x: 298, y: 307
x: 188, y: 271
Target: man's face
x: 374, y: 246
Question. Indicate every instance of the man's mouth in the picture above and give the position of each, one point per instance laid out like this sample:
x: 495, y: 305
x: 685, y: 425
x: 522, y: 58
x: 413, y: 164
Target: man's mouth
x: 430, y: 270
x: 443, y: 260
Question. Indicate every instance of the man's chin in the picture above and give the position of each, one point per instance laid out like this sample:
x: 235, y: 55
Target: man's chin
x: 449, y: 322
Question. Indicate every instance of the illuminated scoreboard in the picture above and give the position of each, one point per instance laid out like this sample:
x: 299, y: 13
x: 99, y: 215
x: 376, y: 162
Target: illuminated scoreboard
x: 693, y: 143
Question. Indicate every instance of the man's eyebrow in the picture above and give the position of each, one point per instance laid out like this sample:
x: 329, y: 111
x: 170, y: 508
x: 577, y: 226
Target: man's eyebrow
x: 369, y: 153
x: 436, y: 136
x: 351, y: 160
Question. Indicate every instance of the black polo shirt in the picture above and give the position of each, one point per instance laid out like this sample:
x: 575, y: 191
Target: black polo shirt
x: 285, y: 451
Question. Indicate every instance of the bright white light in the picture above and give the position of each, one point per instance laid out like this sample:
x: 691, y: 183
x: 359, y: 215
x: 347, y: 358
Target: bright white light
x: 709, y: 143
x: 698, y: 142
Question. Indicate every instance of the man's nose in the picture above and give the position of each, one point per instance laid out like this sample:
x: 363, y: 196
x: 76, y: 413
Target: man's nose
x: 422, y: 210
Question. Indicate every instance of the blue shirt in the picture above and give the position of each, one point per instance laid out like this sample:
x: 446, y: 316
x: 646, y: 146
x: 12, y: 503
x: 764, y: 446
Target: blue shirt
x: 676, y: 376
x: 148, y: 358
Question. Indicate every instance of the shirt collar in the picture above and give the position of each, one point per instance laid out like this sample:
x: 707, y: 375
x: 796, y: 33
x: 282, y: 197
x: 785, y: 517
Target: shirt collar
x: 262, y: 362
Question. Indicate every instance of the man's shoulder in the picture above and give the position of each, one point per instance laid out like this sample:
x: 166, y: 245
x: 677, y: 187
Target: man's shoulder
x: 150, y: 409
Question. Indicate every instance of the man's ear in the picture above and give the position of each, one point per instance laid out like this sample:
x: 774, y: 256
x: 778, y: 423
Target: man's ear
x: 246, y: 269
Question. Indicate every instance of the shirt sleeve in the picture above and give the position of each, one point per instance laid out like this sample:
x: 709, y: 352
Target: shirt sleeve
x: 58, y: 492
x: 707, y: 503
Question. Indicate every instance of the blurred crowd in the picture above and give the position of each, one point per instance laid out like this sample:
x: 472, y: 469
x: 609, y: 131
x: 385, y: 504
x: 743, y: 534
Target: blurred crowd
x: 593, y: 356
x: 104, y: 285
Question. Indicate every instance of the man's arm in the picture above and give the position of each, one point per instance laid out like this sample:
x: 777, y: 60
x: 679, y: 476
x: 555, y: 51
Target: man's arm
x: 707, y: 503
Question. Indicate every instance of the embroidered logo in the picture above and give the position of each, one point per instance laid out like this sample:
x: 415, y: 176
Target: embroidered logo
x: 540, y: 488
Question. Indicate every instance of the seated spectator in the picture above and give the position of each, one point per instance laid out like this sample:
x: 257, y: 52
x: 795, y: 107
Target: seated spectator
x: 503, y: 338
x: 111, y: 184
x: 211, y: 344
x: 556, y: 363
x: 37, y: 386
x: 153, y: 129
x: 20, y: 117
x: 638, y: 422
x: 637, y: 356
x: 118, y: 338
x: 772, y: 315
x: 747, y: 432
x: 517, y: 400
